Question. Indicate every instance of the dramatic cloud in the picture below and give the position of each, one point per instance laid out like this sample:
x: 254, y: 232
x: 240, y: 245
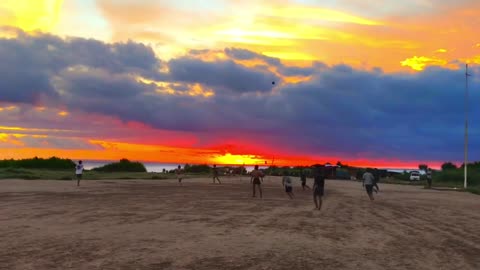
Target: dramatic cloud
x: 339, y: 111
x: 225, y: 75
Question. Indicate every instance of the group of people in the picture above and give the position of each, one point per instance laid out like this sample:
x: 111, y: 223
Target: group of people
x: 256, y: 180
x: 369, y: 181
x: 180, y: 174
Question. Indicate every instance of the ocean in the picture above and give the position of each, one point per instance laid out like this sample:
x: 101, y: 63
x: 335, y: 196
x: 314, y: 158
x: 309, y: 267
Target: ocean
x: 150, y: 166
x: 158, y: 167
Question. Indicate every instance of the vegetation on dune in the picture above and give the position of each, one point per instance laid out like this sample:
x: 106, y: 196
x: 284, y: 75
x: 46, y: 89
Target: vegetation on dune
x: 197, y: 168
x: 457, y: 176
x: 124, y: 165
x: 448, y: 166
x: 65, y: 175
x: 63, y: 169
x: 52, y: 163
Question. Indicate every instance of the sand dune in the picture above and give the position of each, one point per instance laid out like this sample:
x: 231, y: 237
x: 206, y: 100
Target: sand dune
x: 138, y: 224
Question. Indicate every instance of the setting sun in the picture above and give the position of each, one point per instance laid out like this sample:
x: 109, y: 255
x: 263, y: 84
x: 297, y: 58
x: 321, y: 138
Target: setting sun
x: 229, y: 159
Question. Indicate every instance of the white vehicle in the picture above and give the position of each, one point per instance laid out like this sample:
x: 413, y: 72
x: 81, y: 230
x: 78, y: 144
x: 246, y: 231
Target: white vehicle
x: 415, y: 176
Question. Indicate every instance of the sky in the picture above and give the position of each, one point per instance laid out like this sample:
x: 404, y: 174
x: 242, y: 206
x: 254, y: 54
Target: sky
x: 283, y: 82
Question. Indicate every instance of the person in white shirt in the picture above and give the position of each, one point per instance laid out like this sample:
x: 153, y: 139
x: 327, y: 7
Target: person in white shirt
x: 79, y: 172
x: 368, y: 183
x: 287, y: 183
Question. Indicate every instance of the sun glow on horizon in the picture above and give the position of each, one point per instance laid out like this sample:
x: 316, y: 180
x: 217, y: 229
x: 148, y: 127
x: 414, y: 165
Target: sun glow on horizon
x: 229, y: 159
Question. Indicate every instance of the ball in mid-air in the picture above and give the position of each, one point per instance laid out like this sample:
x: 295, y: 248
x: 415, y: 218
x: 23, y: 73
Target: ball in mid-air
x: 273, y: 82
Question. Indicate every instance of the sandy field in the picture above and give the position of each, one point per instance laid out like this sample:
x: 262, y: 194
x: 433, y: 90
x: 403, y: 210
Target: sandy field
x: 142, y: 224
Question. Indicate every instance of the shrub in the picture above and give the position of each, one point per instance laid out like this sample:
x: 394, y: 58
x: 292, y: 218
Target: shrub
x: 52, y: 163
x: 123, y: 166
x: 197, y: 168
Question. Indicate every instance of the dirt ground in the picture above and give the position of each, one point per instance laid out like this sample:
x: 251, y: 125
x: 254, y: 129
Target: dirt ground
x: 139, y: 224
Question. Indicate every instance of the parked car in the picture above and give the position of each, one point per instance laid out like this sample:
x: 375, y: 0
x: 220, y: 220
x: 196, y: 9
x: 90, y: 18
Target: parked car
x: 415, y: 176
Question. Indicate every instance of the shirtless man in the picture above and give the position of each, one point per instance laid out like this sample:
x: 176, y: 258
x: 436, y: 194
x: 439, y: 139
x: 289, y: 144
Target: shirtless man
x: 178, y: 171
x: 256, y: 175
x: 215, y: 174
x: 287, y: 184
x: 318, y: 186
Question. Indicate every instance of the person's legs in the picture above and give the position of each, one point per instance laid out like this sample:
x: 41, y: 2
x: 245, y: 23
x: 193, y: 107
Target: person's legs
x: 79, y: 176
x: 218, y: 179
x: 260, y: 190
x: 315, y: 200
x: 369, y: 189
x: 253, y: 186
x: 320, y: 202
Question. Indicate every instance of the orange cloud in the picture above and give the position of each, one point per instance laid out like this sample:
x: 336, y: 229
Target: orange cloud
x: 419, y: 63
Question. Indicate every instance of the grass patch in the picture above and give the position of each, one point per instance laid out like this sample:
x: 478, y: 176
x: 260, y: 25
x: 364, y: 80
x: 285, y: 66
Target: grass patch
x: 474, y: 190
x: 34, y: 174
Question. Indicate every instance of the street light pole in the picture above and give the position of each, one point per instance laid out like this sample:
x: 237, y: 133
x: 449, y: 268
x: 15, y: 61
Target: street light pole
x: 465, y: 164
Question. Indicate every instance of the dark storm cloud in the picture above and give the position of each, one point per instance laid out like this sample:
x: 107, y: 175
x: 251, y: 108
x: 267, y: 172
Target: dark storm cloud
x: 225, y: 75
x: 341, y: 110
x: 28, y: 63
x: 243, y: 54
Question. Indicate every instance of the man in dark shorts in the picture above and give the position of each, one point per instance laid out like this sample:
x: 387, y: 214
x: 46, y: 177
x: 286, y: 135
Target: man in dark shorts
x: 303, y: 178
x: 368, y: 182
x: 287, y: 183
x: 215, y: 174
x: 376, y: 176
x: 256, y: 175
x: 318, y: 185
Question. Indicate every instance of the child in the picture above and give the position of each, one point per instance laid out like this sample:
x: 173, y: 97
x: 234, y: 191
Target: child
x: 287, y: 183
x: 303, y: 178
x: 79, y: 172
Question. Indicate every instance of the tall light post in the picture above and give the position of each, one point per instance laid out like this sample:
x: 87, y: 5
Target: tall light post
x: 465, y: 164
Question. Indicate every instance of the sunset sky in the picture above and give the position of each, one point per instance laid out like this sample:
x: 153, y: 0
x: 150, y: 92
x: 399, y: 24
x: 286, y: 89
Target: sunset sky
x: 365, y: 82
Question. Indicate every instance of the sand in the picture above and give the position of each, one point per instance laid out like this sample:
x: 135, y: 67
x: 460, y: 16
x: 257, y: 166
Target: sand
x: 139, y: 224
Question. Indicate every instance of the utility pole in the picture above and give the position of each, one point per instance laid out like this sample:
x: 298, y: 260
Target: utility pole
x: 465, y: 164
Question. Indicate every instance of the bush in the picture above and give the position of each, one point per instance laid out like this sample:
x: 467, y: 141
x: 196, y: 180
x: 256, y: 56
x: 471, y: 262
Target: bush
x: 457, y: 177
x: 197, y: 168
x: 52, y: 163
x: 448, y: 166
x: 123, y: 166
